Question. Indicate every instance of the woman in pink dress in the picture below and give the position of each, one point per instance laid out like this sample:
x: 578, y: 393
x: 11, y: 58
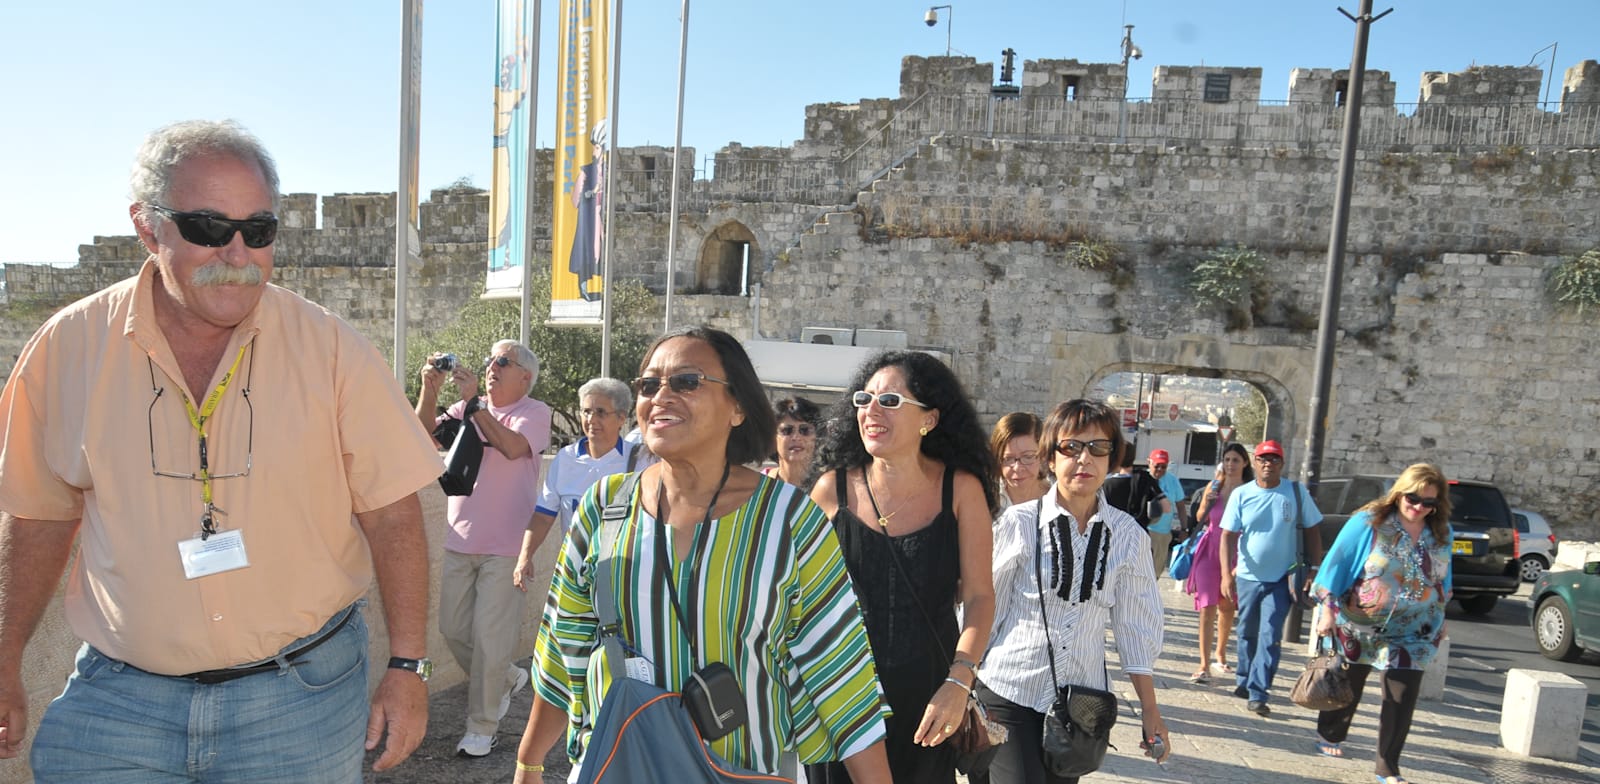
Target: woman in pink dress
x: 1205, y: 577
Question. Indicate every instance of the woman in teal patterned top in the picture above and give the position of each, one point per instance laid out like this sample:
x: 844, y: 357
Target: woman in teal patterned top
x: 750, y: 560
x: 1384, y: 584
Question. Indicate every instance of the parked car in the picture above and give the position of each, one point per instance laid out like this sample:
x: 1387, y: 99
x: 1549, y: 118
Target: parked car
x: 1484, y: 559
x: 1566, y: 611
x: 1538, y: 543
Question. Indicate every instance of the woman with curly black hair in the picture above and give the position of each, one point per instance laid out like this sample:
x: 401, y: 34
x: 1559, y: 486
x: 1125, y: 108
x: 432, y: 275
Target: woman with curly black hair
x: 798, y: 422
x: 901, y: 473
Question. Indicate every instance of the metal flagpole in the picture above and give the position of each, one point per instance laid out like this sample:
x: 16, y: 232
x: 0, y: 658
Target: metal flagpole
x: 405, y: 194
x: 615, y: 79
x: 677, y: 146
x: 533, y: 168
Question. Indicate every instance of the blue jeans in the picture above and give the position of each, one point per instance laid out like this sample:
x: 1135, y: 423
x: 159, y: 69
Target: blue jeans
x: 1263, y: 607
x: 117, y: 723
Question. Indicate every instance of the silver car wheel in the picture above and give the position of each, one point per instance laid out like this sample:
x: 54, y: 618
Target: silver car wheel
x: 1532, y: 567
x: 1551, y: 627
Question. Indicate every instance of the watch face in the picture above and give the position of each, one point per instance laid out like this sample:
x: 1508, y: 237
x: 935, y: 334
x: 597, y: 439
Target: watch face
x: 425, y: 669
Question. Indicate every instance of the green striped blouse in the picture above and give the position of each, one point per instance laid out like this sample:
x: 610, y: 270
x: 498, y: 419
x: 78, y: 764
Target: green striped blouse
x: 773, y: 602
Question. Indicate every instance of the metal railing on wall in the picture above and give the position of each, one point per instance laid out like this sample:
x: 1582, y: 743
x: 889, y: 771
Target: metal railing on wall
x: 1398, y: 128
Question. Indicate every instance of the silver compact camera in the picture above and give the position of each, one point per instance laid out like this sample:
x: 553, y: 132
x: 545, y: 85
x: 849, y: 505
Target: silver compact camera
x: 445, y: 364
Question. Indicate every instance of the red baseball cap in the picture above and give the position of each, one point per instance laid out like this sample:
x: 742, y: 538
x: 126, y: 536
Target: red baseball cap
x: 1269, y: 448
x: 1160, y: 456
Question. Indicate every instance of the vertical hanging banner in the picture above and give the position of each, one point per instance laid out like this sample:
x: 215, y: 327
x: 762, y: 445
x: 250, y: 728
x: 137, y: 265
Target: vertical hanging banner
x: 582, y: 100
x: 509, y: 233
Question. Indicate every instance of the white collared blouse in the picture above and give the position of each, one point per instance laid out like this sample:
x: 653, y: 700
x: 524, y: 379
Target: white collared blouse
x: 1015, y: 666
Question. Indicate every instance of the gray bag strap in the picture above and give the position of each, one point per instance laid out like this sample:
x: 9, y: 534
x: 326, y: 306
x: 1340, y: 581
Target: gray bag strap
x: 633, y: 457
x: 605, y: 603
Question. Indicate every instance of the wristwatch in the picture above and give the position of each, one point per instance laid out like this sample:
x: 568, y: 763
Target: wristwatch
x: 422, y: 667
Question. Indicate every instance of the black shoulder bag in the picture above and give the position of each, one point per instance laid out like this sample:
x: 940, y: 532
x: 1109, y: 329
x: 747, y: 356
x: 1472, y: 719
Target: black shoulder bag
x: 465, y: 456
x: 1077, y: 729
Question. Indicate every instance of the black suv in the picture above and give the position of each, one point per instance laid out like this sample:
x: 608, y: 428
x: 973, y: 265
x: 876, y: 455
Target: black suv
x: 1485, y: 565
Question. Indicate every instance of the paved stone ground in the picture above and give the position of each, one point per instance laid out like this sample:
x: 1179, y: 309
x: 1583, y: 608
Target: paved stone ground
x: 1214, y: 739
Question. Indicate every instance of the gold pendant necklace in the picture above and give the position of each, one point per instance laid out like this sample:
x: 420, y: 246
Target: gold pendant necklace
x: 883, y: 519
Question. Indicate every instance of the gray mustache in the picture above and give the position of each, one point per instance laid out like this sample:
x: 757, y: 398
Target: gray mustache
x: 219, y: 274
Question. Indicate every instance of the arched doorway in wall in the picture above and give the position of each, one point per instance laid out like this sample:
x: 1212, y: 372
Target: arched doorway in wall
x: 726, y: 258
x: 1194, y: 413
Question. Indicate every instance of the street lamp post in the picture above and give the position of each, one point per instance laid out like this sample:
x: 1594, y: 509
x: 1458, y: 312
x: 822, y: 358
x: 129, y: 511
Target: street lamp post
x: 1128, y: 50
x: 1550, y: 72
x: 932, y: 18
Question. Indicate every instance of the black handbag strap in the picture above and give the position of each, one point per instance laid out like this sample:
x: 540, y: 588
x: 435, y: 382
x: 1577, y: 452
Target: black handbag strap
x: 1044, y: 615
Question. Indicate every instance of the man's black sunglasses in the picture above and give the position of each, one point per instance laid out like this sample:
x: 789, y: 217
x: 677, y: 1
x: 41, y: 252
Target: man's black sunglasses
x: 648, y: 386
x: 211, y: 231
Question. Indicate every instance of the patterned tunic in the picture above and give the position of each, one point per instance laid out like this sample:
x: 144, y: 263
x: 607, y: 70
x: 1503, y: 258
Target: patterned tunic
x: 771, y: 599
x: 1392, y: 614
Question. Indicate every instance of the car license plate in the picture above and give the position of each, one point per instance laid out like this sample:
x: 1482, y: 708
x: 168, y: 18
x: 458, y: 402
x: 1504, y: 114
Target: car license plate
x: 1462, y: 546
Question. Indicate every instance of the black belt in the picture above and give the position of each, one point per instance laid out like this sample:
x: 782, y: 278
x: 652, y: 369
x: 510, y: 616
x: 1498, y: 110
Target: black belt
x: 211, y: 677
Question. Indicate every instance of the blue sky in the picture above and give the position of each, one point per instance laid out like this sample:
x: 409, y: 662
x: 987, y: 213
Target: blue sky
x: 318, y: 79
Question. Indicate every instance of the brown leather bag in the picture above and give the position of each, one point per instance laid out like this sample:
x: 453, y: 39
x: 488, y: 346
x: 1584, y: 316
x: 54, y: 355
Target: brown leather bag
x: 1325, y: 685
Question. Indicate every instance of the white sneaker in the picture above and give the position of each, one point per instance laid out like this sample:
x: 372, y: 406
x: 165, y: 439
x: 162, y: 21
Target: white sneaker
x: 474, y: 745
x: 517, y: 684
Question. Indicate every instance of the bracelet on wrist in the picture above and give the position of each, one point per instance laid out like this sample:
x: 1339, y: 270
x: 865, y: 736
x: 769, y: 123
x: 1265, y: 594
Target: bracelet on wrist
x: 526, y: 768
x: 970, y: 665
x: 957, y: 681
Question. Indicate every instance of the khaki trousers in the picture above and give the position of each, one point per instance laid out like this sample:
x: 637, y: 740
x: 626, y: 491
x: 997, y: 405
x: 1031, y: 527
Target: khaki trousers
x: 480, y: 616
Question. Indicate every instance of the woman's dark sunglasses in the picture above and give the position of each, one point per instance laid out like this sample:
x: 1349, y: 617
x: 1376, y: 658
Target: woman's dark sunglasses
x: 210, y: 231
x: 1425, y: 503
x: 789, y: 430
x: 648, y: 386
x: 1100, y: 447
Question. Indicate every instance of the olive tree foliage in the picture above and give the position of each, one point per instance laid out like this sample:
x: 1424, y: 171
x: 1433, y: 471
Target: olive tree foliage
x: 1250, y: 418
x: 568, y: 355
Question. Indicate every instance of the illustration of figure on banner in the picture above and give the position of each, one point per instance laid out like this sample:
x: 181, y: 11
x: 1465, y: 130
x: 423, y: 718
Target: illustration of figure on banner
x: 588, y: 196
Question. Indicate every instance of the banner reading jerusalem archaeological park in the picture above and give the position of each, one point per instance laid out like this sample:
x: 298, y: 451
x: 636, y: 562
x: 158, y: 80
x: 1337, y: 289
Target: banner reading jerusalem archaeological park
x: 582, y: 99
x: 508, y: 193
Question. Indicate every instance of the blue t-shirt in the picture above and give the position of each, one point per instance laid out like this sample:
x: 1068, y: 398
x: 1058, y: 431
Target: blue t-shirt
x: 1173, y: 490
x: 1269, y: 539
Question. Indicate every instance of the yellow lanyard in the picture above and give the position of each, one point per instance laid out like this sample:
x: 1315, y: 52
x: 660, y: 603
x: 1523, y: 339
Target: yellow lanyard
x: 198, y: 419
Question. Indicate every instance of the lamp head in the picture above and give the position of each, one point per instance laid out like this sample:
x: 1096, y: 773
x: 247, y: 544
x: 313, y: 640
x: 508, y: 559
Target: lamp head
x: 932, y: 17
x: 1136, y: 52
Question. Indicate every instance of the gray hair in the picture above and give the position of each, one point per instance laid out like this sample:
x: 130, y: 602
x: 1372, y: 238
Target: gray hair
x: 525, y: 357
x: 169, y: 147
x: 619, y: 394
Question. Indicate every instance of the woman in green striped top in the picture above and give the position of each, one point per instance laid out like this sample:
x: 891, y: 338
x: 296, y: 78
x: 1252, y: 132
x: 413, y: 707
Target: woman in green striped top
x: 717, y: 563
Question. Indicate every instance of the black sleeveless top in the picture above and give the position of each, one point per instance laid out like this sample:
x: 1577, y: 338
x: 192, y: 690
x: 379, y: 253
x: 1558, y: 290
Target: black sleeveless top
x: 912, y: 662
x: 931, y: 557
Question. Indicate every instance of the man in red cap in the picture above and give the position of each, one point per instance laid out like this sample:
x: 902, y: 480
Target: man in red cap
x: 1266, y: 521
x: 1161, y: 529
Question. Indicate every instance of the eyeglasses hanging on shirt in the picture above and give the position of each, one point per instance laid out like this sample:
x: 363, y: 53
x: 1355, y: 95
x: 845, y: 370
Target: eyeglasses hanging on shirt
x: 198, y: 419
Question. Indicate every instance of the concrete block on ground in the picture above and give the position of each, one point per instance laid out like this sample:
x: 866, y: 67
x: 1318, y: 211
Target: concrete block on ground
x: 1432, y: 687
x: 1542, y: 714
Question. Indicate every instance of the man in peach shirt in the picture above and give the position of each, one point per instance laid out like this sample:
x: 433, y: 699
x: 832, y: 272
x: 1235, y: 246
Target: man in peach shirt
x: 235, y: 464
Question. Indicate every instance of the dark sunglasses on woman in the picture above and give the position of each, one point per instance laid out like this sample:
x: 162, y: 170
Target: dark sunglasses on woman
x: 1100, y: 447
x: 648, y: 386
x: 789, y: 430
x: 211, y: 231
x: 1425, y: 503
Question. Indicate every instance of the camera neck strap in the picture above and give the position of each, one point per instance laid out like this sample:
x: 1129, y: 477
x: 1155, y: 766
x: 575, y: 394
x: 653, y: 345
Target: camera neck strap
x: 686, y: 620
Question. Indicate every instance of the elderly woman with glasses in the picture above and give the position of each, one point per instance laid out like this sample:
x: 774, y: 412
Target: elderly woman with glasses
x: 1066, y: 566
x: 752, y: 563
x: 902, y: 473
x: 1383, y: 587
x: 798, y: 419
x: 603, y: 407
x: 1015, y: 444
